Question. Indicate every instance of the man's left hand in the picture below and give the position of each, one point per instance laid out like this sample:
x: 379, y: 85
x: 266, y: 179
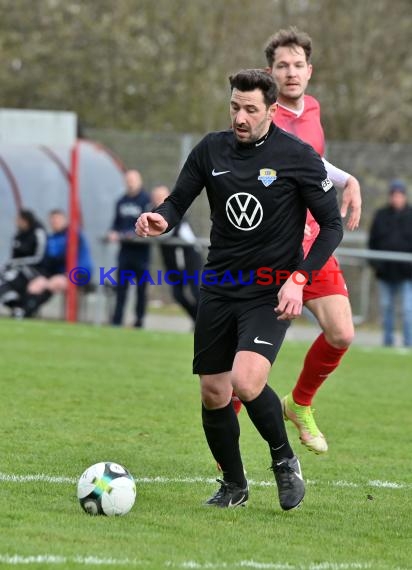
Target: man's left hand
x: 351, y: 200
x: 290, y: 297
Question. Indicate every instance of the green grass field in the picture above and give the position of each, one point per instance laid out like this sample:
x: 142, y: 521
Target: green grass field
x: 74, y: 395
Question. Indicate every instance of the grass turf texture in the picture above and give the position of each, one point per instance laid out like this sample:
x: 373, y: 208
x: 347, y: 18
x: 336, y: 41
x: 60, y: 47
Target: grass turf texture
x: 73, y: 395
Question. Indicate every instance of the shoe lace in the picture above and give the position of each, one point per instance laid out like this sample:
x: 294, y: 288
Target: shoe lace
x: 307, y: 418
x: 284, y: 473
x: 224, y: 489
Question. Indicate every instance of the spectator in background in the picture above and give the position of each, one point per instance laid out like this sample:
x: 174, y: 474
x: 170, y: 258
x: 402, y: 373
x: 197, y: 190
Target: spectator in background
x: 133, y: 257
x: 392, y: 231
x: 28, y: 250
x: 185, y: 259
x: 52, y: 276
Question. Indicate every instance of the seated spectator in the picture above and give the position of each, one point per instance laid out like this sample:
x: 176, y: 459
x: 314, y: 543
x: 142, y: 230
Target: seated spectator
x: 28, y: 250
x: 182, y: 258
x: 52, y: 276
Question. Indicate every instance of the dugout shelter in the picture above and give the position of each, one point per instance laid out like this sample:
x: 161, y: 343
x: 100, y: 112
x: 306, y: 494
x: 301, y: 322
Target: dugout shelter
x: 45, y: 165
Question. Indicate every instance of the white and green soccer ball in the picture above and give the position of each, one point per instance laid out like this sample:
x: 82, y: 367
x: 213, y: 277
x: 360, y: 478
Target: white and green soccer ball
x: 106, y: 489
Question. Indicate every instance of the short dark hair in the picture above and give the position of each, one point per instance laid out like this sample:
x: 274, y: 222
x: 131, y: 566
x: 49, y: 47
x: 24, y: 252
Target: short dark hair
x: 290, y: 37
x: 251, y: 79
x: 57, y: 212
x: 29, y: 217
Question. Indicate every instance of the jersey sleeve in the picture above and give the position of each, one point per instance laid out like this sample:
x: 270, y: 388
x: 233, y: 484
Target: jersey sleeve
x: 319, y: 195
x: 339, y: 177
x: 189, y: 184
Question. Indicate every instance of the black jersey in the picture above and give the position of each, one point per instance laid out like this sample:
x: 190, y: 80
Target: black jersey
x: 258, y: 196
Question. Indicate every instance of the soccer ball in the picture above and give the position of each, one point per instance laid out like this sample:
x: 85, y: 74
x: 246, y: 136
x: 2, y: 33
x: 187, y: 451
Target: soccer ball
x: 106, y: 489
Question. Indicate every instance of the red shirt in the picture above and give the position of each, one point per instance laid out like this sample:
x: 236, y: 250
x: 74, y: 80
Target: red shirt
x: 306, y: 126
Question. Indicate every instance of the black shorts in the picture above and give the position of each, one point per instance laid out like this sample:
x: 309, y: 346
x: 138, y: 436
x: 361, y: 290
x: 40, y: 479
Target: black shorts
x: 225, y: 326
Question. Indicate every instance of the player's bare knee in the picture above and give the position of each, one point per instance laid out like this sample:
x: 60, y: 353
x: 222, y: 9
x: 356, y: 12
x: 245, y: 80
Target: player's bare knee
x: 340, y: 338
x: 246, y: 389
x: 248, y: 394
x: 213, y: 401
x: 213, y: 395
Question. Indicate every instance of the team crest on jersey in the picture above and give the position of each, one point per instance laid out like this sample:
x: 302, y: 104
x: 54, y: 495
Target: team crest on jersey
x: 267, y: 176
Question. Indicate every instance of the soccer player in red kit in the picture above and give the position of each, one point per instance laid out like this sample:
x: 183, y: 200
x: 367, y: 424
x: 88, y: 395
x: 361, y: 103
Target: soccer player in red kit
x: 288, y: 55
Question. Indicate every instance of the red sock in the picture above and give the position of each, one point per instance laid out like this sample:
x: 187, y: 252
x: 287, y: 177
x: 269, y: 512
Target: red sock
x: 321, y: 359
x: 237, y: 404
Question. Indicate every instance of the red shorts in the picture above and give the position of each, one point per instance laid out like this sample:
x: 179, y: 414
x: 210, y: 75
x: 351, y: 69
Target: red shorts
x: 328, y: 281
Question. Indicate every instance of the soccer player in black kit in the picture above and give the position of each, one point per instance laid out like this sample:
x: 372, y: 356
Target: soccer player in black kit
x: 259, y: 181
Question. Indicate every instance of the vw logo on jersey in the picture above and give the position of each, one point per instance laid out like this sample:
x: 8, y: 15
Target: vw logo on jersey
x: 267, y: 176
x: 244, y: 211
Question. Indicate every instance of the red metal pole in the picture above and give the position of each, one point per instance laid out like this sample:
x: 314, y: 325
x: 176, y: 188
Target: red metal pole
x: 13, y: 183
x: 73, y: 234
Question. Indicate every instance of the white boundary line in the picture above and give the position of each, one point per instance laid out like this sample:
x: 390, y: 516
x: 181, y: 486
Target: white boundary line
x: 191, y: 564
x: 50, y: 559
x: 42, y: 477
x: 16, y: 559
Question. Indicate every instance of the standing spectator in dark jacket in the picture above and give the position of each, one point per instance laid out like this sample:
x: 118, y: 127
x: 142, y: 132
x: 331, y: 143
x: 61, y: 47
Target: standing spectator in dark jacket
x: 133, y: 257
x: 185, y: 259
x: 28, y: 250
x: 392, y: 231
x: 52, y: 276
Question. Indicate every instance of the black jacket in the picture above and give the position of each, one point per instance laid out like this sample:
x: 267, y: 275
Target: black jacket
x: 392, y: 231
x: 128, y: 209
x: 29, y: 247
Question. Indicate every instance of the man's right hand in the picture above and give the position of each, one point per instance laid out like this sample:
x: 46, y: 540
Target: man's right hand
x: 150, y: 224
